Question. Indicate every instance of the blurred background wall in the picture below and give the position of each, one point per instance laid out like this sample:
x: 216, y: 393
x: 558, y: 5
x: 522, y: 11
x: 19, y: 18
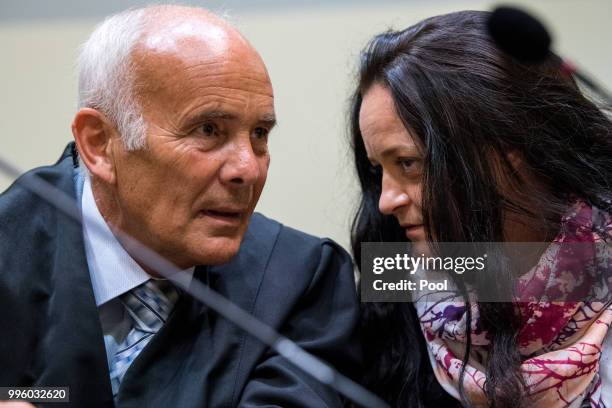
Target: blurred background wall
x: 311, y: 50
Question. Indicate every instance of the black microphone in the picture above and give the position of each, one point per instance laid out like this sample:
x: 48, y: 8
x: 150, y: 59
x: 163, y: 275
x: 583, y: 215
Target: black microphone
x: 526, y: 39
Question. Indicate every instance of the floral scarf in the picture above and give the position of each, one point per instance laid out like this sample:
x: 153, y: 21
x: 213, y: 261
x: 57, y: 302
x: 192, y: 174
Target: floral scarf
x: 561, y: 342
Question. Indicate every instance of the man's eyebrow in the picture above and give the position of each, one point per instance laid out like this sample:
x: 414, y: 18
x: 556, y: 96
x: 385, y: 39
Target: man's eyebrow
x: 269, y: 119
x: 216, y: 115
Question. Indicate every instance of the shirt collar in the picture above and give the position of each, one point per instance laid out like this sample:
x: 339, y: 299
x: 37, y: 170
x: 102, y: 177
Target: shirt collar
x: 112, y: 270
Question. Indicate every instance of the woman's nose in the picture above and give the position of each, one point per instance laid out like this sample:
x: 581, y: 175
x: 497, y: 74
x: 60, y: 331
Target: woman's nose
x: 392, y: 197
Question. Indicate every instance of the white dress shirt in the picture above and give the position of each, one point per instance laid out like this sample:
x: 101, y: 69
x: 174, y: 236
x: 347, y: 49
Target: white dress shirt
x: 112, y: 270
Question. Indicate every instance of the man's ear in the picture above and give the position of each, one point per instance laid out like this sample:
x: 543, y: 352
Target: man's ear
x: 94, y: 135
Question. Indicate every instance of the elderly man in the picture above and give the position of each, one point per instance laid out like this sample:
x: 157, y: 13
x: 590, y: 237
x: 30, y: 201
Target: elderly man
x: 172, y: 142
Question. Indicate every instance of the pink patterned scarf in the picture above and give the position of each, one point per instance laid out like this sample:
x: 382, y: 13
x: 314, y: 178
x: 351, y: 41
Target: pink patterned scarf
x: 561, y: 342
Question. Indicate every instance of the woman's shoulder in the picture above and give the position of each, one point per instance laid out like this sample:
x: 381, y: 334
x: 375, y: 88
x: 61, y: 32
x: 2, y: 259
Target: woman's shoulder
x: 586, y: 222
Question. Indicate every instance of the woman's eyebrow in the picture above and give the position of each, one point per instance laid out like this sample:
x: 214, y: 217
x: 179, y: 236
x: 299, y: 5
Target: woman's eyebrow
x: 393, y: 150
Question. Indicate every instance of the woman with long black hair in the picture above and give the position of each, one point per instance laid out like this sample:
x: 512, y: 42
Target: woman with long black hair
x: 454, y: 141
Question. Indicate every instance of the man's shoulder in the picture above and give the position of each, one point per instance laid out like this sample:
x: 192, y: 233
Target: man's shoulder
x: 27, y: 222
x: 292, y: 242
x: 275, y: 257
x: 18, y: 200
x: 303, y: 287
x: 262, y: 226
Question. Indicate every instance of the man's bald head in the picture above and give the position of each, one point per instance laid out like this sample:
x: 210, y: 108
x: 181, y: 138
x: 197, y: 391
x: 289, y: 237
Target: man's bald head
x: 118, y: 61
x: 175, y: 37
x: 164, y: 26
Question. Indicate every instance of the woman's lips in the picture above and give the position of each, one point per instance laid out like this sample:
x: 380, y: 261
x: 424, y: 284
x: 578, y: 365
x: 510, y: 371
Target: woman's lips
x: 413, y: 231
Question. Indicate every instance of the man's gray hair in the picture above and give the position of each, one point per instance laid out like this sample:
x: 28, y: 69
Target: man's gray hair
x: 106, y: 75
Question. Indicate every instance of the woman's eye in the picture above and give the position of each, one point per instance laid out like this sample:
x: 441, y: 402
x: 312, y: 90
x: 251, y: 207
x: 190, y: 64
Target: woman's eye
x: 405, y: 164
x: 261, y: 133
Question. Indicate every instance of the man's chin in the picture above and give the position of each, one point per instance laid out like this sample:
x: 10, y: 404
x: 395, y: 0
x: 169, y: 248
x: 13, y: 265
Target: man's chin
x: 216, y: 251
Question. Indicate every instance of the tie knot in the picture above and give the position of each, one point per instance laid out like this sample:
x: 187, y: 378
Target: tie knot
x: 150, y: 304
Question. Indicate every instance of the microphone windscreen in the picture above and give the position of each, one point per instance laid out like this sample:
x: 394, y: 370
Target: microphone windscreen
x: 519, y: 34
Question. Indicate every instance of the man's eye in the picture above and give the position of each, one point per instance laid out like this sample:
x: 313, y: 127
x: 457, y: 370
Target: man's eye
x: 261, y: 133
x: 209, y: 129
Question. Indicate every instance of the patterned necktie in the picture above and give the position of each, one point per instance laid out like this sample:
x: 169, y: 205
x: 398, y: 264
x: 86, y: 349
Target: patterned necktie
x: 148, y: 307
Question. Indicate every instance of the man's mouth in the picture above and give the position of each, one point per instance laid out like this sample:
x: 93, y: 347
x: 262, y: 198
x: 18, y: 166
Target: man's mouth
x: 224, y: 216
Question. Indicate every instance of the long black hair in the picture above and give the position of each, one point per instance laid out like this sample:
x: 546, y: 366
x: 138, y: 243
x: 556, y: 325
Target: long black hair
x: 467, y: 105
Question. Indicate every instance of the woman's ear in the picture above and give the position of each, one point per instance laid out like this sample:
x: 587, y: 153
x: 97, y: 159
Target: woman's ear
x: 94, y: 136
x: 515, y: 159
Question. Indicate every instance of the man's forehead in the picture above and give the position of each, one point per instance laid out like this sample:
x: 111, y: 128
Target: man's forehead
x: 189, y: 65
x: 192, y: 36
x: 169, y: 32
x: 169, y: 39
x: 183, y: 42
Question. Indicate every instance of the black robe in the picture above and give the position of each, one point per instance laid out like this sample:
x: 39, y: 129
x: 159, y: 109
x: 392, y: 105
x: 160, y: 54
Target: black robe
x: 50, y: 332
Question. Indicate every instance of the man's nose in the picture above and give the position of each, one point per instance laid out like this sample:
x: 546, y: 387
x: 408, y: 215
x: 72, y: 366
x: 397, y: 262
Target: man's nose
x: 392, y: 196
x: 242, y: 166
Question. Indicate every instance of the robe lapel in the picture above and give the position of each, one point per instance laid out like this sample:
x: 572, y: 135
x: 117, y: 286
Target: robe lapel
x: 72, y: 344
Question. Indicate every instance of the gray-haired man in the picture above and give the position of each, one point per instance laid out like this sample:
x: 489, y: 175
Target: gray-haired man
x: 175, y: 112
